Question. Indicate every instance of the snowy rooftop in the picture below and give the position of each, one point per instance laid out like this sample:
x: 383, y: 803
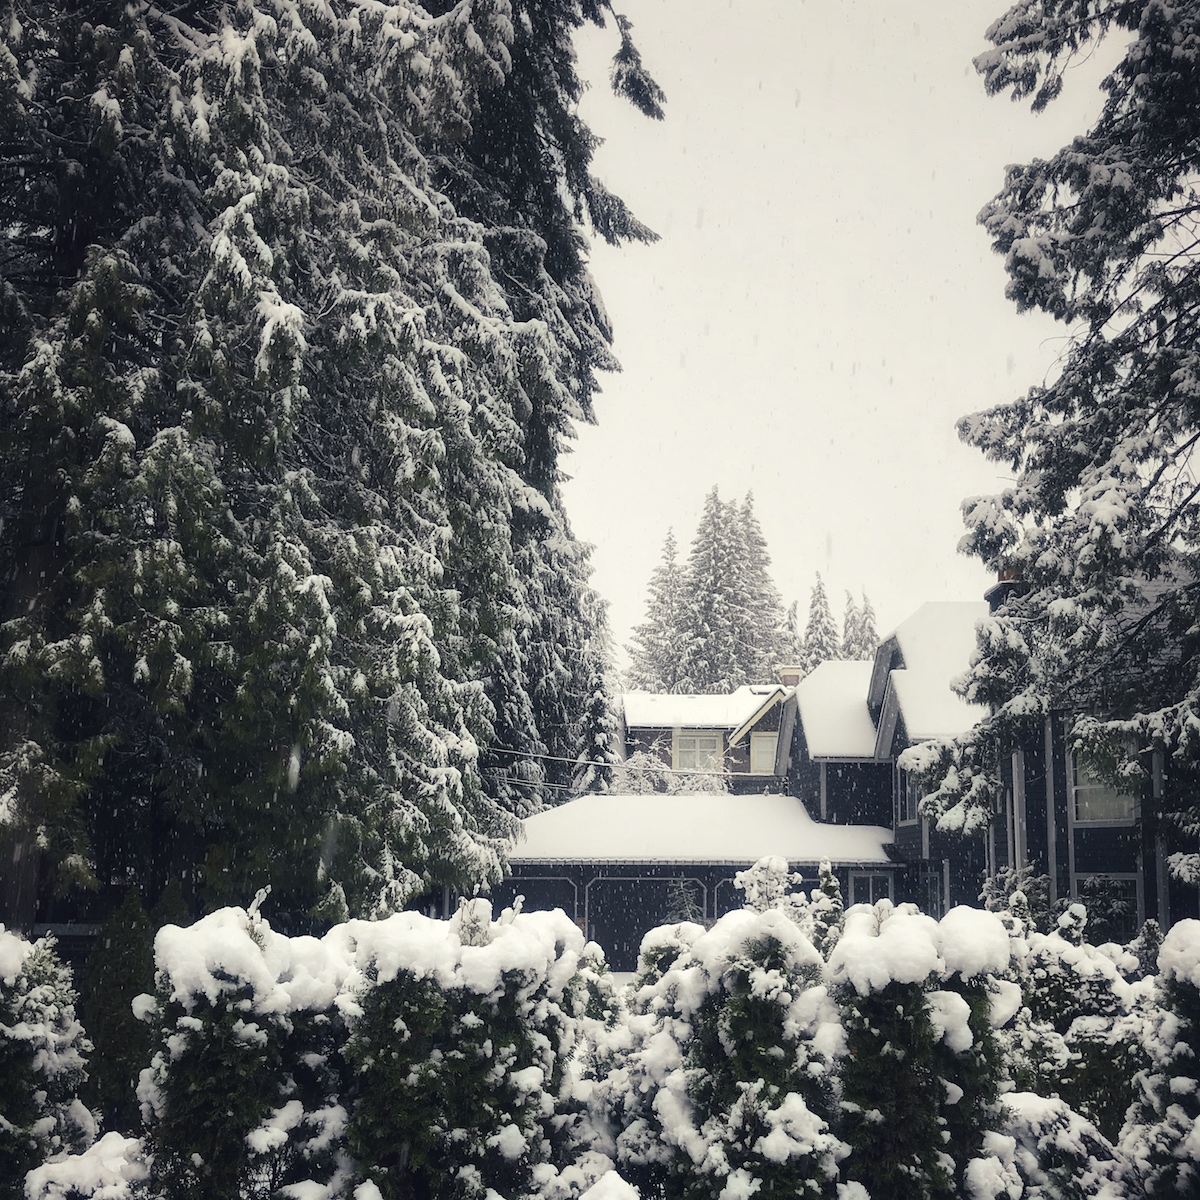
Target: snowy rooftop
x: 930, y: 708
x: 937, y: 642
x: 833, y: 710
x: 698, y: 827
x: 940, y: 636
x: 656, y: 710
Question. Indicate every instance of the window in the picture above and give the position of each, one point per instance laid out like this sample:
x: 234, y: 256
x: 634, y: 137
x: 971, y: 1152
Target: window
x: 698, y: 750
x: 762, y: 753
x: 1113, y: 907
x: 910, y: 796
x: 1096, y: 800
x: 868, y: 886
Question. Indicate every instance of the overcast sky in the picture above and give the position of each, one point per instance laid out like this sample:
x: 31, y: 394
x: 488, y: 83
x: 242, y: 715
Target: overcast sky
x: 822, y: 305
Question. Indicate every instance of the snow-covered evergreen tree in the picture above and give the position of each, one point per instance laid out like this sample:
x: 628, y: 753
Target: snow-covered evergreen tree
x: 763, y: 641
x: 1158, y: 1139
x: 658, y: 647
x: 792, y: 650
x: 1098, y: 529
x: 716, y: 622
x: 297, y: 320
x: 725, y: 1088
x: 42, y: 1049
x: 859, y: 638
x: 716, y: 614
x: 821, y: 642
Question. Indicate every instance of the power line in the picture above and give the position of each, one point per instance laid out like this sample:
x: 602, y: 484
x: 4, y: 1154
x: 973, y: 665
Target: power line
x: 591, y: 763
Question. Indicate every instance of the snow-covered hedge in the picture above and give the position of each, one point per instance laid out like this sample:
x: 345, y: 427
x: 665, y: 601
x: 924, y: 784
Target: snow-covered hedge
x: 722, y: 1086
x: 481, y: 1059
x: 405, y: 1056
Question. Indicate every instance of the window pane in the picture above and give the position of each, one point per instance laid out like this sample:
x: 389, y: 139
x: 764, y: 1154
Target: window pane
x: 762, y: 753
x: 698, y: 752
x: 1096, y: 801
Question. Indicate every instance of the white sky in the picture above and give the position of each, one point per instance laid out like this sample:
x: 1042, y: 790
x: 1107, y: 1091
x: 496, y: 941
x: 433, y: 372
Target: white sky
x: 822, y: 305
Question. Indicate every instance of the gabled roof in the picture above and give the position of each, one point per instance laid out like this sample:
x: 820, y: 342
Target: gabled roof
x: 832, y: 702
x: 922, y: 658
x: 735, y: 711
x: 940, y: 636
x: 695, y: 827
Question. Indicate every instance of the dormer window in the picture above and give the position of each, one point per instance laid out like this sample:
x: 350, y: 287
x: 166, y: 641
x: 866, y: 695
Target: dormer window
x: 762, y: 753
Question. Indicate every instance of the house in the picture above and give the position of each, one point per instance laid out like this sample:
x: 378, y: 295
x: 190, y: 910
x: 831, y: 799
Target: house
x: 736, y: 733
x: 621, y: 865
x: 911, y: 698
x: 832, y: 765
x: 826, y: 750
x: 1058, y: 817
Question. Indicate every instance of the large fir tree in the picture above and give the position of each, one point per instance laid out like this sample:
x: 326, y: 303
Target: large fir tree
x: 716, y: 622
x: 716, y: 612
x: 820, y: 635
x: 296, y: 321
x: 763, y: 640
x: 1099, y: 529
x: 658, y: 646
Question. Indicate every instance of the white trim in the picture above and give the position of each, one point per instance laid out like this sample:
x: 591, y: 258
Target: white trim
x: 902, y: 785
x: 1021, y: 848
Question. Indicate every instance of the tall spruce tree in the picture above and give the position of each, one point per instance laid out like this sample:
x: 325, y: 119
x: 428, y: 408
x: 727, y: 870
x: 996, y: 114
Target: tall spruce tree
x: 792, y: 648
x: 859, y: 638
x: 763, y: 638
x: 296, y: 321
x: 658, y: 646
x: 1099, y: 529
x: 820, y: 636
x: 716, y: 613
x: 717, y: 622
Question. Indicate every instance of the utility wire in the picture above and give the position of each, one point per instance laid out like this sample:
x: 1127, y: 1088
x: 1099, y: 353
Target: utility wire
x: 589, y: 762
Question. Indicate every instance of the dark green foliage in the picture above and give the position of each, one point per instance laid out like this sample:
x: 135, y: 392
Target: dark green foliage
x: 1157, y: 1139
x: 435, y: 1091
x: 1022, y: 892
x: 120, y: 967
x: 723, y: 1056
x: 890, y: 1094
x: 1076, y: 992
x: 828, y: 909
x: 223, y: 1074
x: 976, y: 1072
x: 294, y: 335
x: 1145, y: 948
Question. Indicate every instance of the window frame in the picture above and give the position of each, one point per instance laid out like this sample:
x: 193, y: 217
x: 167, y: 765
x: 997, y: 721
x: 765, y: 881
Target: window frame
x: 1139, y: 895
x: 865, y: 876
x: 678, y: 734
x: 774, y: 737
x: 903, y: 791
x: 1074, y: 787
